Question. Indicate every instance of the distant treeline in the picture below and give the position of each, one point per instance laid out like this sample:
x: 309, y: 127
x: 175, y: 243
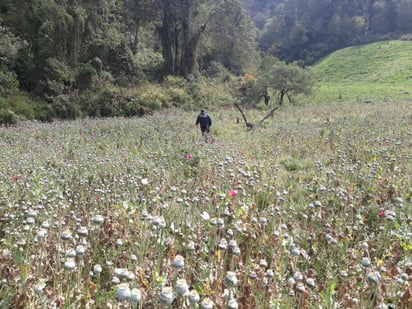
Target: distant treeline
x: 70, y: 58
x: 305, y: 30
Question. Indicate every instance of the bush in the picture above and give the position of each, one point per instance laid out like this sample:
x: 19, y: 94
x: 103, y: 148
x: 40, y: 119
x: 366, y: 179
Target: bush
x: 7, y: 117
x: 179, y: 97
x: 84, y: 76
x: 153, y: 96
x: 8, y: 83
x: 64, y: 107
x: 217, y: 70
x: 406, y: 37
x: 27, y: 107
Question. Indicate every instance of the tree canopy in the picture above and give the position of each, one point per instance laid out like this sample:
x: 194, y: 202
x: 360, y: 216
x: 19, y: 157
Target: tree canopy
x: 81, y: 57
x: 301, y: 30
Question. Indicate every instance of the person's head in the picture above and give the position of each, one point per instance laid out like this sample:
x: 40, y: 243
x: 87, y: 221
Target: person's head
x: 202, y: 112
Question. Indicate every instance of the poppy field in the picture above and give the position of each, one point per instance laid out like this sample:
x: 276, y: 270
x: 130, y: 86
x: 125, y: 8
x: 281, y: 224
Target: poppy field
x: 313, y: 209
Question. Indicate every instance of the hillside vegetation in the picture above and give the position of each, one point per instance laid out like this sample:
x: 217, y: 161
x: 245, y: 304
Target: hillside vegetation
x: 71, y: 59
x: 377, y: 71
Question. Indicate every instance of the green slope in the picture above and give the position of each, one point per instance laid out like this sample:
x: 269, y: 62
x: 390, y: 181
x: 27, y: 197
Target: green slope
x: 377, y: 71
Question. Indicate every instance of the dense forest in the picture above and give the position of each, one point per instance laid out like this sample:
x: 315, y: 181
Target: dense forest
x: 71, y: 58
x: 305, y: 30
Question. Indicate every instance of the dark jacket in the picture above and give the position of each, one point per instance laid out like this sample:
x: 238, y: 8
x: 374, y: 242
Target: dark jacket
x: 204, y: 120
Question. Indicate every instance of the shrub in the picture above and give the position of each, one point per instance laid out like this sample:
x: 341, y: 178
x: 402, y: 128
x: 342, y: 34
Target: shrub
x: 153, y: 96
x: 64, y: 108
x: 84, y: 76
x: 27, y: 107
x: 217, y: 70
x: 406, y: 37
x: 7, y: 117
x: 179, y: 97
x: 133, y: 108
x: 23, y: 108
x: 8, y: 83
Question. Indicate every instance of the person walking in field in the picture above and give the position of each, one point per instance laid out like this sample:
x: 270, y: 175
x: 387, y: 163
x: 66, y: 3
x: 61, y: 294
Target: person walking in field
x: 204, y: 121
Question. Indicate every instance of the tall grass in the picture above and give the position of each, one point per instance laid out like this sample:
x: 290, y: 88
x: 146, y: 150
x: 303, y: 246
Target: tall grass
x: 311, y: 210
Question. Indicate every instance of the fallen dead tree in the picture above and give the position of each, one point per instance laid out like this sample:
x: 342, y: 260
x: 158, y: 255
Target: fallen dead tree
x: 250, y: 125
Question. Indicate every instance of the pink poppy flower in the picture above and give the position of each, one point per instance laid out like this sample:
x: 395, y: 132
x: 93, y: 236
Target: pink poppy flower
x: 382, y: 214
x: 189, y: 156
x: 233, y: 193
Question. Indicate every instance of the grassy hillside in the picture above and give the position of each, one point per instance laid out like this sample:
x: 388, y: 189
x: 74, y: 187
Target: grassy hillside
x: 373, y: 72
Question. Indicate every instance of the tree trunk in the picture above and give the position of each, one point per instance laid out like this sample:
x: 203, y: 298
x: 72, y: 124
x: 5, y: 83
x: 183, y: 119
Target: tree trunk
x: 281, y: 97
x: 188, y: 60
x: 167, y: 38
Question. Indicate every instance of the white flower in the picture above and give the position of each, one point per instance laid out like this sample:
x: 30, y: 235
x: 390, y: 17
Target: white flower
x: 135, y: 296
x: 222, y: 244
x: 82, y: 231
x: 253, y: 275
x: 39, y: 286
x: 80, y: 250
x: 232, y: 304
x: 98, y: 219
x: 364, y: 245
x: 159, y: 221
x: 71, y: 253
x: 41, y: 234
x: 236, y: 251
x: 97, y: 269
x: 310, y: 282
x: 166, y: 295
x: 191, y: 246
x: 300, y: 287
x: 269, y: 273
x: 230, y: 279
x: 205, y: 216
x: 232, y: 243
x: 181, y: 287
x: 207, y: 303
x: 30, y: 220
x: 121, y: 272
x: 365, y: 262
x: 373, y: 277
x: 194, y: 297
x: 144, y: 181
x: 69, y: 264
x: 179, y: 262
x: 66, y: 235
x: 297, y: 276
x: 45, y: 225
x: 263, y: 263
x: 123, y: 292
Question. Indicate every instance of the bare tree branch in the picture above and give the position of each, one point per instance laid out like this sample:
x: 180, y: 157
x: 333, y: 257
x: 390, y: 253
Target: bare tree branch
x: 248, y: 124
x: 269, y: 115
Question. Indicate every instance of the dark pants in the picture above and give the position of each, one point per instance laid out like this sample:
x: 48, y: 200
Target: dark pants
x: 204, y: 129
